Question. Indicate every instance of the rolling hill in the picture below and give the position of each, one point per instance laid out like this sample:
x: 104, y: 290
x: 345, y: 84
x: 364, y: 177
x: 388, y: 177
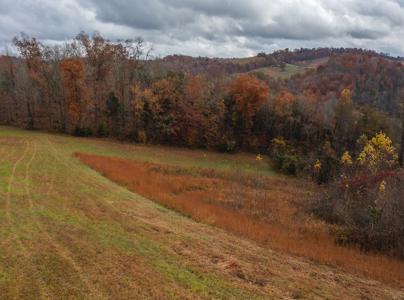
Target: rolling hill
x: 66, y: 231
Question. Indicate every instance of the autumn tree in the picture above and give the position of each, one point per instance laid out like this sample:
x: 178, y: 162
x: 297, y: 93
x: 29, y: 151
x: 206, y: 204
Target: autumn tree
x: 371, y: 121
x: 99, y: 57
x: 38, y: 97
x: 73, y: 73
x: 158, y: 108
x: 378, y: 154
x: 142, y: 103
x: 344, y: 120
x: 192, y: 107
x: 203, y: 110
x: 284, y: 115
x: 7, y: 89
x: 249, y: 94
x: 401, y: 153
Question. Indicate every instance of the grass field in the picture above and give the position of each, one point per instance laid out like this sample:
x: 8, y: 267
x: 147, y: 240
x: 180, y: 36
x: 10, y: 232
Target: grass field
x: 290, y: 69
x: 278, y: 73
x: 68, y: 232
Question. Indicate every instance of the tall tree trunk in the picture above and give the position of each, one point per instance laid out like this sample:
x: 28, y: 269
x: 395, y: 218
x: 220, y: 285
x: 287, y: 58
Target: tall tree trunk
x: 401, y: 154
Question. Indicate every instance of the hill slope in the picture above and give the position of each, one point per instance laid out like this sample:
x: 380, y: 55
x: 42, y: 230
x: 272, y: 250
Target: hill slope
x: 289, y: 70
x: 66, y: 231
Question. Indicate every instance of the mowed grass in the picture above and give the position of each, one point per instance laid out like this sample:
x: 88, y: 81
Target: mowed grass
x: 66, y: 232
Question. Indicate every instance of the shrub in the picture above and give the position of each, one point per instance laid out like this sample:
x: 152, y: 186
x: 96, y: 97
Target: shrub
x: 284, y: 157
x: 142, y: 136
x: 286, y: 163
x: 82, y: 131
x: 227, y: 145
x: 326, y: 166
x: 102, y: 131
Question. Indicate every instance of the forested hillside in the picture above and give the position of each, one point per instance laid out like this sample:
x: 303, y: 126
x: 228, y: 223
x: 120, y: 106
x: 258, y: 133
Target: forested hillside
x: 92, y: 86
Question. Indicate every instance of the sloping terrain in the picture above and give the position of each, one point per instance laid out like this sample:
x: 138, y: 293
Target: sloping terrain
x: 290, y: 69
x: 279, y: 73
x: 68, y: 232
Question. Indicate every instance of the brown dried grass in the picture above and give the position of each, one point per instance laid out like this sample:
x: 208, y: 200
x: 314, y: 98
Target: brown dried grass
x: 261, y: 209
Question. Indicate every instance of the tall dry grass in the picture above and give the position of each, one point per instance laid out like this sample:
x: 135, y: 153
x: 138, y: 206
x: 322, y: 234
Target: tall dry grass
x: 262, y: 209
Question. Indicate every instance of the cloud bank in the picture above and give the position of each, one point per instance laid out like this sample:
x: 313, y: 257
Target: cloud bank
x: 226, y: 28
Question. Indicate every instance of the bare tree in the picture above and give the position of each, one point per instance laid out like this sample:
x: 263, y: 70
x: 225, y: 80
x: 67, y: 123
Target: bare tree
x: 401, y: 153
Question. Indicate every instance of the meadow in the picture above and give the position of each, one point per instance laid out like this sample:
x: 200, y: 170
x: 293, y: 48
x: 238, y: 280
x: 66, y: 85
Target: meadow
x: 68, y: 231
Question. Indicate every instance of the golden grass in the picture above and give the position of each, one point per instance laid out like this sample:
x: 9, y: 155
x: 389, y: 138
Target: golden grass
x: 262, y: 209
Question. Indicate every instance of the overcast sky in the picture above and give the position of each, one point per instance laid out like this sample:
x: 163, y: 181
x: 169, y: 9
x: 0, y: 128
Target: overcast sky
x: 223, y: 28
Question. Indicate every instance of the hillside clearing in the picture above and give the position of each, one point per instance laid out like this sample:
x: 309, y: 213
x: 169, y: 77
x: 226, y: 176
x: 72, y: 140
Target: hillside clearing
x: 290, y: 69
x: 68, y: 232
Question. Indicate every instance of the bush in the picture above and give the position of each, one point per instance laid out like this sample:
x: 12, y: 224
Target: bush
x: 102, y: 131
x: 326, y: 167
x: 82, y: 131
x: 285, y: 157
x: 286, y: 163
x: 227, y: 145
x: 142, y: 136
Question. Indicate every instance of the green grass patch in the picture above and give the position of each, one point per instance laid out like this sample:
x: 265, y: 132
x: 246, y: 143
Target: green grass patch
x: 5, y: 171
x: 6, y: 131
x: 103, y: 233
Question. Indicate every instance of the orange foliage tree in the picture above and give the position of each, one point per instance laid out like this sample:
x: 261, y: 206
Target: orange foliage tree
x: 73, y: 73
x: 249, y: 94
x: 283, y: 104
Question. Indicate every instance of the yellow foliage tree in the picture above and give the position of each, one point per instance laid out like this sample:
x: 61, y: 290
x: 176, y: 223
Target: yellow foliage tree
x: 346, y: 97
x: 346, y: 159
x: 378, y: 153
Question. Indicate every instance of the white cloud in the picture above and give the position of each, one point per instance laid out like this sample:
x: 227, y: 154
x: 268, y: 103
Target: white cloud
x: 214, y: 28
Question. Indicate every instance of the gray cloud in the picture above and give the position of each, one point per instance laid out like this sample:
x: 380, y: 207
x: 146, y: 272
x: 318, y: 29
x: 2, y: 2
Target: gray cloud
x: 211, y: 27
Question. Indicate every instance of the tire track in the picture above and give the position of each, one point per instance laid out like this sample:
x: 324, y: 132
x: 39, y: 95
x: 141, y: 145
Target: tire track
x: 61, y: 250
x: 10, y: 182
x: 52, y: 182
x: 72, y: 167
x: 90, y: 179
x: 25, y: 253
x: 27, y: 178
